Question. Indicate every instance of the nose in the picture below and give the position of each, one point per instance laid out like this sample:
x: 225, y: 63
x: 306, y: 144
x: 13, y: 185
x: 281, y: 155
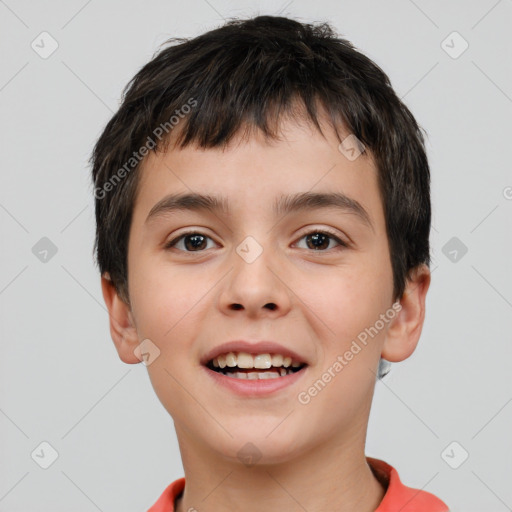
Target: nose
x: 258, y: 288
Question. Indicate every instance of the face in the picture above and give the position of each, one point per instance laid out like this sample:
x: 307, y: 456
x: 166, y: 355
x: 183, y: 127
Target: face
x: 217, y: 286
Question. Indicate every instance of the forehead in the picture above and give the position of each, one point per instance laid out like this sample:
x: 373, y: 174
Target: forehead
x: 301, y: 169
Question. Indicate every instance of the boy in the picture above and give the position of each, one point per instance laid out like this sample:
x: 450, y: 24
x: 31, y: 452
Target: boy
x: 263, y: 218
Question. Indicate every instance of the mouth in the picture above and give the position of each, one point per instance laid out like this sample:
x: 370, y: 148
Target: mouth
x: 246, y: 366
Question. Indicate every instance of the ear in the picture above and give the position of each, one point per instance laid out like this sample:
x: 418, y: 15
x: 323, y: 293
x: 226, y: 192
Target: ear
x: 405, y: 329
x: 122, y: 327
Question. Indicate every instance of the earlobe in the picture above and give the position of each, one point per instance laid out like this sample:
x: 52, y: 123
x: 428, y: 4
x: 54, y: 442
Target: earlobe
x: 122, y: 327
x: 404, y: 332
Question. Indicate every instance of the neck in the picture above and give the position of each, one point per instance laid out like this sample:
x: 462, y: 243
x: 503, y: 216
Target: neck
x: 326, y: 477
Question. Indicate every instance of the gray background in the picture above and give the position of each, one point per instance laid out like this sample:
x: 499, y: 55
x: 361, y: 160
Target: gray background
x: 61, y: 379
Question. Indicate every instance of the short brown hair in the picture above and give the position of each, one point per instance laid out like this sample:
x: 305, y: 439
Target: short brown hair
x: 248, y: 73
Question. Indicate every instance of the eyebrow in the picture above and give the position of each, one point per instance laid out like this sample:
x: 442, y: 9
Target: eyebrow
x: 304, y: 201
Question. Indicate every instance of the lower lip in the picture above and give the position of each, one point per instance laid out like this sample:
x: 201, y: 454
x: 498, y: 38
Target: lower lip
x: 256, y: 387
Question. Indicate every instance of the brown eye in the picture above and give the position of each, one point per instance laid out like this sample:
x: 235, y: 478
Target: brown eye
x: 320, y: 240
x: 189, y: 242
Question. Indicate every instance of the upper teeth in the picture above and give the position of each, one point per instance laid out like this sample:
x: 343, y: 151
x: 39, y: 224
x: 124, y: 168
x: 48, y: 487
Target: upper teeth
x: 246, y: 360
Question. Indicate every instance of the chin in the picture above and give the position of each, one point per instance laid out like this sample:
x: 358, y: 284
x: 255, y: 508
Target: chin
x: 253, y: 445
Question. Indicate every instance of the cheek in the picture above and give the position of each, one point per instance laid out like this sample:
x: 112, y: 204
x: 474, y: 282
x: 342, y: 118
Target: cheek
x: 166, y: 305
x: 165, y: 299
x: 345, y: 313
x: 348, y: 300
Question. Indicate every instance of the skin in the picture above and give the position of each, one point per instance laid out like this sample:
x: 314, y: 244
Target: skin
x: 312, y: 456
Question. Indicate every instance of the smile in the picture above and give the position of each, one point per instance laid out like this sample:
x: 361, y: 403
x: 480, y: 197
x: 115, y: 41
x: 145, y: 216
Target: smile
x: 245, y: 366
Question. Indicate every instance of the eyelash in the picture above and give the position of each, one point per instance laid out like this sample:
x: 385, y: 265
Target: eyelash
x: 342, y: 244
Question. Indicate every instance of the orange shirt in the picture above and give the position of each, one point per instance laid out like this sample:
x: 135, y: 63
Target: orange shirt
x: 397, y: 497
